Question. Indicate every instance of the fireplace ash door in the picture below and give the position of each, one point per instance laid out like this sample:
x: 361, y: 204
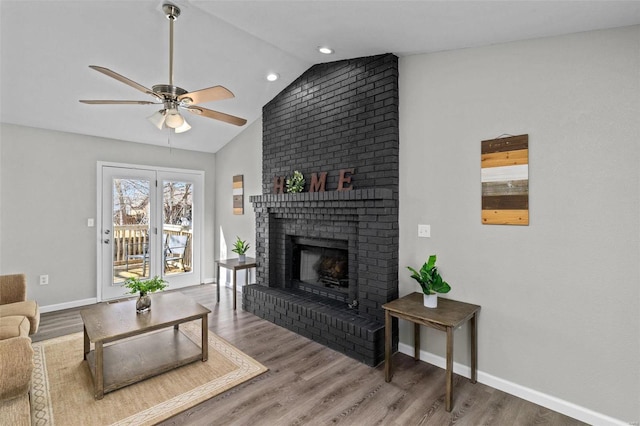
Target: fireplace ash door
x: 321, y: 267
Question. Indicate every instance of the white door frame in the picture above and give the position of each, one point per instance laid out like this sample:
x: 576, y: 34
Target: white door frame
x: 198, y: 226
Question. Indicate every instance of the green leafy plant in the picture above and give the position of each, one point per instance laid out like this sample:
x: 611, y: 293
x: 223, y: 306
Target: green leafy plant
x: 429, y: 279
x: 136, y: 285
x: 295, y: 183
x: 240, y: 246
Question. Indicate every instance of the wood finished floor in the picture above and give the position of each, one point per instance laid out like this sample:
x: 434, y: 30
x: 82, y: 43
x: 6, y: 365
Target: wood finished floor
x: 309, y: 384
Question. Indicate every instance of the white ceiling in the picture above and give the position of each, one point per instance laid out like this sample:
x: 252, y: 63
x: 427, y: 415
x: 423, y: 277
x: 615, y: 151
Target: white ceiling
x: 47, y: 46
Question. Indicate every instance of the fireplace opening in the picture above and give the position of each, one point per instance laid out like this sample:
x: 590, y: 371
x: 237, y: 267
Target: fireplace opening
x: 321, y: 266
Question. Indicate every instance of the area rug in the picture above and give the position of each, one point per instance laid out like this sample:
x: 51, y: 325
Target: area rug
x: 62, y: 387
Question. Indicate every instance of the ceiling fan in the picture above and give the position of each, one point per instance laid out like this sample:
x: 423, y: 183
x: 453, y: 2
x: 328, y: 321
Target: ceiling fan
x: 173, y: 98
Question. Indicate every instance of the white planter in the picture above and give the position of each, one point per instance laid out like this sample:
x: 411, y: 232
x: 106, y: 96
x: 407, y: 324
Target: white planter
x: 242, y: 258
x: 430, y: 300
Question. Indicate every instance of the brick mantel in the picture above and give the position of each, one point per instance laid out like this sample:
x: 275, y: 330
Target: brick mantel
x: 353, y: 195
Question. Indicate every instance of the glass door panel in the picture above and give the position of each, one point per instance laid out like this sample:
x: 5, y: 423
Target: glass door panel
x: 128, y: 234
x: 177, y: 226
x: 131, y: 216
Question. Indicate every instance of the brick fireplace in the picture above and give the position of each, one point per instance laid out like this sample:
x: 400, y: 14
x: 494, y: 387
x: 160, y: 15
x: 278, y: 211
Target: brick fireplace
x: 328, y: 260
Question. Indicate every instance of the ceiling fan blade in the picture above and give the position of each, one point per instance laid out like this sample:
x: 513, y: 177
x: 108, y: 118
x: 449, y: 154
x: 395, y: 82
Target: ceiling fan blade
x: 125, y: 80
x: 231, y: 119
x: 215, y: 93
x: 107, y: 102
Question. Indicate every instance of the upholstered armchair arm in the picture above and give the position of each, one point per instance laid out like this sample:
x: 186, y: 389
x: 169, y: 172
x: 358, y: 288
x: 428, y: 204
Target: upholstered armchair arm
x: 13, y: 288
x: 16, y: 365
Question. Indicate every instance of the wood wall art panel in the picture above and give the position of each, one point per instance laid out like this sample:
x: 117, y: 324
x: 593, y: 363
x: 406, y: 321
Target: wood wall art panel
x: 505, y: 180
x: 238, y: 194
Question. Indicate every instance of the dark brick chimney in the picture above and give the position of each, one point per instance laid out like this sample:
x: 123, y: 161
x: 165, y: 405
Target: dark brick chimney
x: 336, y: 116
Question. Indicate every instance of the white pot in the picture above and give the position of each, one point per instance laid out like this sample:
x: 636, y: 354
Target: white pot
x: 242, y: 258
x: 430, y: 300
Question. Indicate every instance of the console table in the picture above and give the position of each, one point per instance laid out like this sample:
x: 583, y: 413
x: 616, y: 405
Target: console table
x: 235, y: 265
x: 449, y: 315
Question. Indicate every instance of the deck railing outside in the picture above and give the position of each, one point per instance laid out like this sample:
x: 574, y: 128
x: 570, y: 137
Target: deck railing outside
x: 133, y: 239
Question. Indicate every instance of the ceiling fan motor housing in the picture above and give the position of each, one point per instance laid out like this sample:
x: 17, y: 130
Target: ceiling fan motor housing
x: 168, y: 91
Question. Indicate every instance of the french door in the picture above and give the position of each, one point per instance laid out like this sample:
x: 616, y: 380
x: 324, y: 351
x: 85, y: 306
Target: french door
x: 151, y: 225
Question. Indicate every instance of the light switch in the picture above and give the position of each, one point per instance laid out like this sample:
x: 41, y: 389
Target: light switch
x: 90, y: 222
x: 424, y: 231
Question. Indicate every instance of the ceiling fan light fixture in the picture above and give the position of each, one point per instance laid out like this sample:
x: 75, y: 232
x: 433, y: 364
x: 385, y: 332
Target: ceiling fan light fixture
x: 185, y: 126
x: 173, y: 119
x: 158, y: 118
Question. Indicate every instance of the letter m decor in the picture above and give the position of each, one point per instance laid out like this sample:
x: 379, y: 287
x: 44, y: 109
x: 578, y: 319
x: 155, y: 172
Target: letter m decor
x: 317, y: 185
x: 505, y: 181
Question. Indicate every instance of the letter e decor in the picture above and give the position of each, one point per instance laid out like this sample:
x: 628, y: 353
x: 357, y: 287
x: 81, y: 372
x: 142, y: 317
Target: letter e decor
x: 345, y: 179
x: 505, y: 181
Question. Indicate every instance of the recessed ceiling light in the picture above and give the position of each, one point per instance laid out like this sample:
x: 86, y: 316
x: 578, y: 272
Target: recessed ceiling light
x: 325, y: 50
x: 273, y: 76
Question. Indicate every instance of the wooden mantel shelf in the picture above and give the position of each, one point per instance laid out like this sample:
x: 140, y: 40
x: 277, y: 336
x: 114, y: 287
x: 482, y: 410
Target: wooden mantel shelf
x: 352, y: 195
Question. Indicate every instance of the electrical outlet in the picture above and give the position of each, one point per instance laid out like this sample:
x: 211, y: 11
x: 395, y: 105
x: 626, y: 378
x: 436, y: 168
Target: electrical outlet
x: 44, y: 279
x: 424, y: 231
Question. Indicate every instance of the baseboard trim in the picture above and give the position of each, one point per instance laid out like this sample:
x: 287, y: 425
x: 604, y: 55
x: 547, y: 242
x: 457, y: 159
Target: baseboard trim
x: 548, y: 401
x: 67, y: 305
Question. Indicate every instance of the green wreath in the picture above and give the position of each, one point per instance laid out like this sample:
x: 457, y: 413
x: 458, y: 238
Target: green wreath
x: 295, y: 183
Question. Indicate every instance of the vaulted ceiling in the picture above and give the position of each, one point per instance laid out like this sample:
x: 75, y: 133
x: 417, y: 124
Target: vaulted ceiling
x: 47, y: 46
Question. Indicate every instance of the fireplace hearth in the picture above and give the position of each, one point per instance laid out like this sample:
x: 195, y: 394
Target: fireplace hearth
x: 310, y: 235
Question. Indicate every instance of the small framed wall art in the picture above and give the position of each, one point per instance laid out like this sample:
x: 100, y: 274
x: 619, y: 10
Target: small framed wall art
x: 505, y: 181
x: 238, y: 194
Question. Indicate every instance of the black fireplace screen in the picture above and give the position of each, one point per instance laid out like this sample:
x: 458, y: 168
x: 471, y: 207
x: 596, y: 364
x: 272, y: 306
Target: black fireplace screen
x: 323, y: 263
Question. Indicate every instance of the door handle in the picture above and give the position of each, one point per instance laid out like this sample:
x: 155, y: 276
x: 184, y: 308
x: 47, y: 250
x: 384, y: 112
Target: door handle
x: 107, y: 231
x: 106, y: 241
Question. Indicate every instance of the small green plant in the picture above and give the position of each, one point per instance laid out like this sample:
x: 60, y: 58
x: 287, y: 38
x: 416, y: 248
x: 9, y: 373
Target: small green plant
x: 295, y: 183
x: 429, y: 278
x: 136, y: 285
x: 240, y: 246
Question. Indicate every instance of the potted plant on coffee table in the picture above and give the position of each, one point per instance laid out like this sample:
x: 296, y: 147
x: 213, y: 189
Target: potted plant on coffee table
x: 430, y: 281
x: 143, y: 287
x: 241, y: 248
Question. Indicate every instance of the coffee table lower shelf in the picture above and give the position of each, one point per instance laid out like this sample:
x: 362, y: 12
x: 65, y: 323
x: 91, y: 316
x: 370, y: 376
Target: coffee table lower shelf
x: 138, y: 358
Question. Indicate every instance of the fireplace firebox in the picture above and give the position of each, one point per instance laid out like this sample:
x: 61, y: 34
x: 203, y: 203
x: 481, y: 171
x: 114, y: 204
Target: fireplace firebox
x: 321, y: 267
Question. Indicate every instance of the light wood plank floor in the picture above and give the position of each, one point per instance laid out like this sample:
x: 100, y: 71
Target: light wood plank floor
x: 309, y: 384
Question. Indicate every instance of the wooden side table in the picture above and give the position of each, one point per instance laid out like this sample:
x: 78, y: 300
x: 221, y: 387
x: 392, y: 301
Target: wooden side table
x: 235, y: 265
x: 449, y: 315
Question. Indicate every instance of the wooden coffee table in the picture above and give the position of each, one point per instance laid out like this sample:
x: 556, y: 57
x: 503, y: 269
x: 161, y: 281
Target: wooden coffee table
x: 131, y: 347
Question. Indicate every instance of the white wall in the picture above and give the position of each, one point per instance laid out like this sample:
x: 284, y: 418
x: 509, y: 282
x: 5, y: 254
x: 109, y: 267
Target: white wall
x: 243, y: 156
x: 49, y: 191
x: 560, y: 297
